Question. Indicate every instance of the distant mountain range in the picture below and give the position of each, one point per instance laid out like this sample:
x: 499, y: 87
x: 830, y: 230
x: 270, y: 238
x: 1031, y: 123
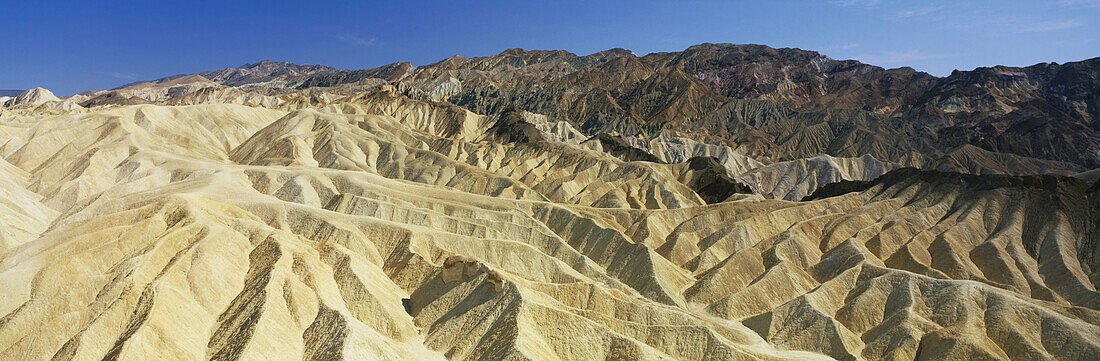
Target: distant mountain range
x: 10, y: 92
x: 774, y: 104
x: 789, y: 103
x: 259, y: 72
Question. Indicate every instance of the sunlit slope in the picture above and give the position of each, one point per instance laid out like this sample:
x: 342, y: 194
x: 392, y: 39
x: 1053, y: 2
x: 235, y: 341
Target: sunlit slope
x: 793, y: 180
x: 25, y: 217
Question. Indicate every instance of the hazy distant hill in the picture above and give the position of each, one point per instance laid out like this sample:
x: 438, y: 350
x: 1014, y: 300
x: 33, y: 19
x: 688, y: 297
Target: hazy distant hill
x: 259, y: 72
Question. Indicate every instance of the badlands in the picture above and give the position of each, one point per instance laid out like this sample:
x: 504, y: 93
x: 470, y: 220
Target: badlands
x: 727, y: 202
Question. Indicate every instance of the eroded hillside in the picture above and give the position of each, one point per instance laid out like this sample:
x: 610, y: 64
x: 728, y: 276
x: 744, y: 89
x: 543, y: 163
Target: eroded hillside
x: 277, y: 211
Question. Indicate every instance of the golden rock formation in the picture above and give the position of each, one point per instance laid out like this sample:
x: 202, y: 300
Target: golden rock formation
x: 379, y: 227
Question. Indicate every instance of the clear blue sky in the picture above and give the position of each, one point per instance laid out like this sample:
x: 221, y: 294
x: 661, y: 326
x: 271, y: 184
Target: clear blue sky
x: 72, y: 46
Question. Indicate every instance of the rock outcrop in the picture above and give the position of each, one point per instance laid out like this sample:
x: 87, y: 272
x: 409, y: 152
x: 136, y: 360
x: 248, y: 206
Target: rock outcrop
x: 796, y: 179
x: 34, y: 97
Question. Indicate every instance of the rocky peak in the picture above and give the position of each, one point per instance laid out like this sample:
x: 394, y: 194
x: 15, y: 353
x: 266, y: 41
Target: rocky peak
x: 263, y: 71
x: 36, y: 96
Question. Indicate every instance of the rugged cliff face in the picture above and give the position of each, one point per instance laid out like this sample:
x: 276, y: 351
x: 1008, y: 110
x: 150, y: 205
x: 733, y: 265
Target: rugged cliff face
x: 794, y: 97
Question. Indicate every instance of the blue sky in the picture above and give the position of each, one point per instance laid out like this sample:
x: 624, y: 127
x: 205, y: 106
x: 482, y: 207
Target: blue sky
x: 72, y: 46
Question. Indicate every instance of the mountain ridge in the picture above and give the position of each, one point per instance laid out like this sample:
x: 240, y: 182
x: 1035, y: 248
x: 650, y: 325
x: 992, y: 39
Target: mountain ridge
x: 892, y: 93
x: 248, y: 73
x: 776, y: 104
